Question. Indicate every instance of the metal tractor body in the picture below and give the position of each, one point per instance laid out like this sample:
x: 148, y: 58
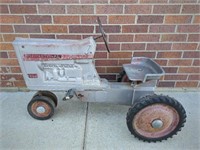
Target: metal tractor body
x: 57, y: 65
x: 50, y: 65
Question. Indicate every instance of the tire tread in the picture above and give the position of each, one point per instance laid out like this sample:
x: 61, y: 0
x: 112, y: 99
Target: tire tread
x: 152, y: 99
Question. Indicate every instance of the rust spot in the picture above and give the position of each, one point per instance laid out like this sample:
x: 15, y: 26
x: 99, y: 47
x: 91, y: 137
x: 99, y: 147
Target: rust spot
x: 80, y: 96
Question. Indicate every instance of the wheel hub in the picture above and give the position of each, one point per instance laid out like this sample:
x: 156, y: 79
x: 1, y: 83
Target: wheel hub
x: 157, y: 123
x: 40, y: 109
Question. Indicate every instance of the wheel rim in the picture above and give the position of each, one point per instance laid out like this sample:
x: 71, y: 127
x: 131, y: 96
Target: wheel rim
x: 157, y: 120
x: 41, y: 109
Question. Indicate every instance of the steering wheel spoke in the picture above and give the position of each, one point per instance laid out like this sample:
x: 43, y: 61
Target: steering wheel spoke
x: 103, y: 35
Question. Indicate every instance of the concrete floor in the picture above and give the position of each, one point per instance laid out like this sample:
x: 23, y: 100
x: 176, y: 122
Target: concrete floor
x: 87, y: 126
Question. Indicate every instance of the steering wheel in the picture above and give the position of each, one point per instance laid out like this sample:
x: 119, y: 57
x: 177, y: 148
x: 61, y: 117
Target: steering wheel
x: 102, y: 34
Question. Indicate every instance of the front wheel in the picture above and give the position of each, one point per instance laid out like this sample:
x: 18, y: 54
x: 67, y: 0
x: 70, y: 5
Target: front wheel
x: 41, y: 107
x: 156, y: 118
x: 49, y: 94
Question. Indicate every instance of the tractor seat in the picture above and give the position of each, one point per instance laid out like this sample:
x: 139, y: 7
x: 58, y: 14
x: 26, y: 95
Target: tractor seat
x: 143, y: 69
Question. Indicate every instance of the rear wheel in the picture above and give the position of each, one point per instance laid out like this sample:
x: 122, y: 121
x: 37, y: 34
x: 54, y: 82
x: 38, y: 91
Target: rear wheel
x: 123, y: 77
x: 41, y: 107
x: 156, y: 118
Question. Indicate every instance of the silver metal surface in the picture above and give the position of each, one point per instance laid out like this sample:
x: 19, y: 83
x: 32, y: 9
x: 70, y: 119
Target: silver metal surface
x: 53, y: 64
x: 61, y: 65
x: 157, y: 123
x: 118, y: 93
x: 143, y: 69
x: 143, y: 89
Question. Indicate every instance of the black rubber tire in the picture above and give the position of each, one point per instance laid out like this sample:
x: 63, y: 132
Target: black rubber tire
x: 48, y: 94
x: 123, y: 77
x: 150, y: 100
x: 47, y: 100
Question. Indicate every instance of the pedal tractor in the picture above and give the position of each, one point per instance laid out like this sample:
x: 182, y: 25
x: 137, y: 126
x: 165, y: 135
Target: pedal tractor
x: 50, y: 65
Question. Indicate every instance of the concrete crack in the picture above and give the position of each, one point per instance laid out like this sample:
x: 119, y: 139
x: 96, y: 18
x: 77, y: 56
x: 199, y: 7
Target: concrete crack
x: 85, y: 130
